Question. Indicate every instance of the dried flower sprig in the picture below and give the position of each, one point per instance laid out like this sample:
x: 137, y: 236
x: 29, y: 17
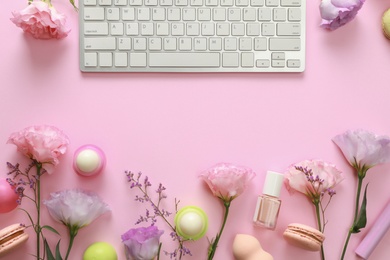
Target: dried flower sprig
x: 143, y: 185
x: 315, y: 179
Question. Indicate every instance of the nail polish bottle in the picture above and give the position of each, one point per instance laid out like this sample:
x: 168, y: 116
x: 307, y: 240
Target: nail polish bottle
x: 268, y: 204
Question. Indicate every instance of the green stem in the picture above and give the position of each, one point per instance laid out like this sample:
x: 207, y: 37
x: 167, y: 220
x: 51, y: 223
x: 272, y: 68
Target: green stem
x: 72, y: 234
x: 359, y: 188
x: 38, y: 207
x: 215, y: 243
x: 318, y: 214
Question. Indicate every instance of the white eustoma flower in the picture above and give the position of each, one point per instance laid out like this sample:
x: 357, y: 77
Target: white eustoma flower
x: 75, y: 208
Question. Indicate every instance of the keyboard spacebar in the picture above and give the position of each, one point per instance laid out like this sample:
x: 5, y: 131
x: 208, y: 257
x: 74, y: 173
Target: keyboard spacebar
x: 184, y: 59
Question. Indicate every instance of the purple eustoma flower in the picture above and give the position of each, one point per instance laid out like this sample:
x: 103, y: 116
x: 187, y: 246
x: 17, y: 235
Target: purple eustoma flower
x: 336, y: 13
x: 142, y: 243
x: 363, y: 149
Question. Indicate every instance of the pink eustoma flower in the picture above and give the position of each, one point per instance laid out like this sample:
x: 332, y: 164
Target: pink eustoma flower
x: 227, y: 181
x: 336, y: 13
x: 43, y: 144
x: 312, y: 178
x: 363, y: 149
x: 142, y: 243
x: 41, y: 21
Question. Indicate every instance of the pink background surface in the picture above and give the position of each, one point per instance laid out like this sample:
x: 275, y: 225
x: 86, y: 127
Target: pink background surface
x: 173, y: 126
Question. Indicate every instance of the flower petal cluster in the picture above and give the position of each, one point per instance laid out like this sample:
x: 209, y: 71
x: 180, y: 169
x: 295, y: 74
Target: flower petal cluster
x: 43, y: 144
x: 336, y: 13
x: 75, y: 208
x: 363, y: 149
x: 312, y: 178
x: 41, y: 21
x: 142, y: 243
x: 227, y: 181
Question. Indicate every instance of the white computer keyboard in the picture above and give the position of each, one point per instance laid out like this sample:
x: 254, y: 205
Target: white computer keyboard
x: 192, y: 35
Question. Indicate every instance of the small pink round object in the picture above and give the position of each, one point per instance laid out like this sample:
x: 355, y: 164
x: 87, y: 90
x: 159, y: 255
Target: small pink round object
x: 8, y: 197
x: 89, y: 160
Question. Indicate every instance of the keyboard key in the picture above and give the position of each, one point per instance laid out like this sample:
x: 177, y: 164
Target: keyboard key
x: 104, y: 2
x: 105, y: 59
x: 116, y: 29
x: 294, y: 14
x: 112, y: 14
x: 90, y: 59
x: 185, y: 44
x: 215, y: 44
x: 268, y: 29
x: 184, y: 59
x: 271, y: 2
x: 279, y: 14
x: 94, y: 13
x: 247, y: 59
x: 278, y: 63
x: 260, y: 44
x: 230, y: 59
x: 155, y: 44
x: 200, y: 44
x: 139, y: 44
x: 99, y: 43
x: 288, y: 29
x: 128, y: 14
x: 120, y: 59
x: 278, y: 55
x: 264, y: 14
x: 290, y: 2
x: 170, y: 44
x: 257, y: 2
x: 147, y: 29
x: 120, y: 2
x: 249, y: 14
x: 284, y: 44
x: 96, y: 28
x: 293, y: 63
x: 262, y: 63
x: 230, y: 44
x: 192, y: 29
x: 253, y: 29
x: 137, y: 59
x: 124, y: 44
x: 238, y: 29
x: 245, y: 44
x: 234, y: 14
x: 89, y: 2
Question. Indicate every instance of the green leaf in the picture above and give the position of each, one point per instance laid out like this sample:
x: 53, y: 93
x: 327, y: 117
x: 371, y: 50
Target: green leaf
x: 73, y: 4
x: 362, y: 218
x: 50, y: 255
x: 51, y: 229
x: 48, y: 251
x: 58, y: 253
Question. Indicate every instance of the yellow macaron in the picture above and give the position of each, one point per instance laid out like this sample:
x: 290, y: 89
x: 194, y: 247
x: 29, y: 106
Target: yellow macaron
x: 386, y: 23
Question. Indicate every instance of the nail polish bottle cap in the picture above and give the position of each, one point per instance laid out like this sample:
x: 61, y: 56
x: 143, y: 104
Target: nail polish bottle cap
x: 273, y: 183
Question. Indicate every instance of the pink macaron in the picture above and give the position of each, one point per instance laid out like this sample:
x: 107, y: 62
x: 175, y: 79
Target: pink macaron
x: 304, y: 237
x: 12, y: 237
x: 89, y: 160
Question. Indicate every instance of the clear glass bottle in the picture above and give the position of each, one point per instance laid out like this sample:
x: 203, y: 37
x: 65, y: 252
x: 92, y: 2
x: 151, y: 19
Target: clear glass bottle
x: 268, y: 204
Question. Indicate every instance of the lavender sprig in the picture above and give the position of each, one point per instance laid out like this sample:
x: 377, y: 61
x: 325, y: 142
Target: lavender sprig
x: 157, y: 211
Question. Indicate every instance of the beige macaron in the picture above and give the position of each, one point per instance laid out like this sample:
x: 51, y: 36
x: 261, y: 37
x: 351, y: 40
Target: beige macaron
x: 12, y: 237
x: 303, y: 236
x: 386, y: 23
